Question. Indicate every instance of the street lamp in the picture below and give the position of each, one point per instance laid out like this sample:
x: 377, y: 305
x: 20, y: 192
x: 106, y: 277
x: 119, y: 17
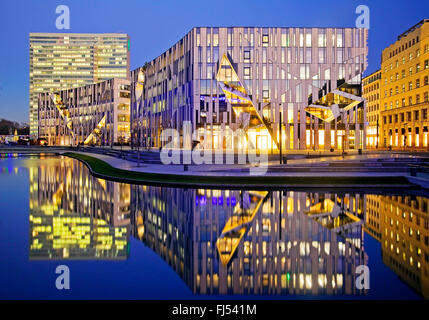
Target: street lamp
x: 405, y: 135
x: 376, y: 146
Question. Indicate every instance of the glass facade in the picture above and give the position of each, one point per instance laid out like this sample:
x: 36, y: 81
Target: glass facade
x: 96, y: 114
x: 276, y: 71
x: 61, y: 61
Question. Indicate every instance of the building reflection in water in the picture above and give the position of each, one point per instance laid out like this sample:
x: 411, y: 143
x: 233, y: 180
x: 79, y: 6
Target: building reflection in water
x: 249, y: 242
x: 229, y: 241
x: 76, y: 216
x: 401, y: 225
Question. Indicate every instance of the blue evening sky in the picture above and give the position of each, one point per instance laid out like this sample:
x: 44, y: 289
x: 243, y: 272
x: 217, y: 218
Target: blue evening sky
x: 154, y: 26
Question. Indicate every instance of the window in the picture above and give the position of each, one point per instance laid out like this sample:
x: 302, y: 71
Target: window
x: 123, y: 118
x: 339, y: 55
x: 230, y: 37
x: 123, y: 94
x: 123, y: 106
x: 322, y: 38
x: 209, y: 72
x: 308, y: 38
x: 417, y: 99
x: 416, y: 115
x: 198, y: 37
x: 285, y: 38
x: 308, y: 55
x: 410, y: 85
x: 208, y: 38
x: 247, y: 56
x: 322, y: 55
x: 425, y: 81
x: 403, y: 102
x: 265, y: 94
x: 417, y: 67
x: 216, y: 37
x: 215, y: 54
x: 403, y: 73
x: 304, y: 71
x: 265, y: 40
x: 425, y: 97
x: 426, y: 64
x: 425, y: 114
x: 340, y: 38
x: 408, y: 116
x: 417, y: 83
x: 246, y: 72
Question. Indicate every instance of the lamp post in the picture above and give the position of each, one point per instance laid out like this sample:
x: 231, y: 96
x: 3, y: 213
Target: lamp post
x: 376, y: 146
x: 405, y: 135
x: 138, y: 149
x: 280, y: 138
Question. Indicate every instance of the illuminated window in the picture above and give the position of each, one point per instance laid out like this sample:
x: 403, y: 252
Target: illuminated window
x: 265, y: 40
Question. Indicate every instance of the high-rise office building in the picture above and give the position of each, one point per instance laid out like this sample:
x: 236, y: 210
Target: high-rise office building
x: 308, y: 80
x: 404, y: 100
x: 61, y: 61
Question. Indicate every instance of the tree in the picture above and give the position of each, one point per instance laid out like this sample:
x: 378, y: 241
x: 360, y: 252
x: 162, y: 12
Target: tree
x: 9, y: 127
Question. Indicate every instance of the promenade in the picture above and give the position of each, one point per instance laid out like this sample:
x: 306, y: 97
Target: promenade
x: 381, y: 170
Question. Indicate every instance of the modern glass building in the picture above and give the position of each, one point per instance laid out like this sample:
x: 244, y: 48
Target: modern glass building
x: 303, y: 82
x: 371, y: 93
x: 65, y: 60
x: 95, y: 114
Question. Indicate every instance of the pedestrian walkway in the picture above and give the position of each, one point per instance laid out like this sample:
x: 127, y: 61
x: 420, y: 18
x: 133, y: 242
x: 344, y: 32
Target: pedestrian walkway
x: 349, y: 166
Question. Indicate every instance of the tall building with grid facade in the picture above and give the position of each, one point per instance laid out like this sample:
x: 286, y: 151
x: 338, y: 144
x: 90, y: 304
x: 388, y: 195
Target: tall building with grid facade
x: 306, y: 81
x: 94, y: 114
x: 61, y: 61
